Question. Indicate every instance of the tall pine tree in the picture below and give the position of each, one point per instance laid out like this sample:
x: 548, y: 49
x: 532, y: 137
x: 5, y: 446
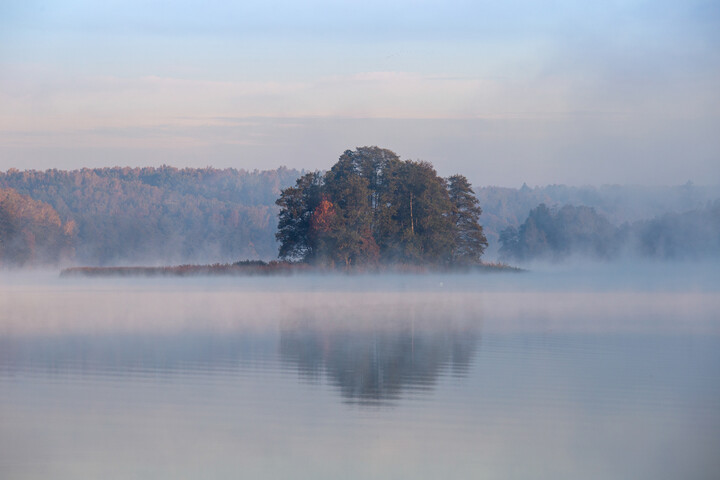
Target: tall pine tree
x: 470, y: 241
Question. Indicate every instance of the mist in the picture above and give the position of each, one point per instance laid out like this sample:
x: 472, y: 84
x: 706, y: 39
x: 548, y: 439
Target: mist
x: 37, y: 302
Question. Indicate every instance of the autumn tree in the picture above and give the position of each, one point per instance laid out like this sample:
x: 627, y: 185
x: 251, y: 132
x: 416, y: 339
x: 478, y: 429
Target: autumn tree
x: 31, y: 232
x: 161, y: 214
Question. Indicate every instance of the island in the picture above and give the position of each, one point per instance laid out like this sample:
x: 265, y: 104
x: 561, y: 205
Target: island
x: 370, y: 212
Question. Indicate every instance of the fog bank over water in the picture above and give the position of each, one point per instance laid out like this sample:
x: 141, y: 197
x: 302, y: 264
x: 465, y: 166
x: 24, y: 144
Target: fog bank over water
x: 573, y: 297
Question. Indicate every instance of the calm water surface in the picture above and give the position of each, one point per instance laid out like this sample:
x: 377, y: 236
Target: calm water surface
x: 560, y: 374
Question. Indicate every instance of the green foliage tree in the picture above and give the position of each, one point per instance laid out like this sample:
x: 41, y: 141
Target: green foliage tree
x: 372, y: 207
x: 297, y: 205
x: 348, y: 190
x: 426, y: 231
x: 556, y: 233
x: 381, y: 169
x: 470, y: 242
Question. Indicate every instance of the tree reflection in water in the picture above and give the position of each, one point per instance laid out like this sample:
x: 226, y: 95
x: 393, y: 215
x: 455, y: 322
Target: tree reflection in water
x: 374, y: 364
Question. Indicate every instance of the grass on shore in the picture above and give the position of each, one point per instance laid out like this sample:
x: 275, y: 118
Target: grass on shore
x: 259, y: 267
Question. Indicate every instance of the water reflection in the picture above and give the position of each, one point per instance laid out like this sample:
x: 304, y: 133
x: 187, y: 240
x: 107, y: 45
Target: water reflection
x: 129, y: 355
x: 371, y: 365
x: 368, y: 366
x: 119, y: 381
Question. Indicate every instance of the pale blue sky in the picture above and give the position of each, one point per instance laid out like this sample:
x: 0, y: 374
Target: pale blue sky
x: 505, y: 92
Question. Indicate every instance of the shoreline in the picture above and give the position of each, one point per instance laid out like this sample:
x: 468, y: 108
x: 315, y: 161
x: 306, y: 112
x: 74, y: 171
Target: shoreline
x: 260, y: 268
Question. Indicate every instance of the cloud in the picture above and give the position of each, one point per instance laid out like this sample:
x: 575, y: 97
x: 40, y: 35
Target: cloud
x: 563, y: 126
x: 32, y: 101
x: 114, y: 101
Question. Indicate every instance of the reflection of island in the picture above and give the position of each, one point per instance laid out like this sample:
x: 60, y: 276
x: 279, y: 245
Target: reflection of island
x: 375, y: 365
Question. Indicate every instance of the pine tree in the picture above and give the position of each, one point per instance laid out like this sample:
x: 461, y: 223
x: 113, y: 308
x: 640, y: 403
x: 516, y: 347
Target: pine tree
x: 470, y: 241
x: 297, y: 205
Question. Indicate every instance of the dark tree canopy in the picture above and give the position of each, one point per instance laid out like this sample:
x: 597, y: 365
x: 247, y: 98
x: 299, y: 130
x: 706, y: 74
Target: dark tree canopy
x: 556, y: 233
x: 471, y: 241
x: 553, y: 234
x: 372, y: 207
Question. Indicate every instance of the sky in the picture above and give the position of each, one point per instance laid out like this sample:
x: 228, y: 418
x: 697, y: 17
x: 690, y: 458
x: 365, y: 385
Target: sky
x: 574, y: 92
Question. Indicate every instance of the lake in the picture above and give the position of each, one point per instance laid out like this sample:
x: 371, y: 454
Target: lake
x: 585, y: 372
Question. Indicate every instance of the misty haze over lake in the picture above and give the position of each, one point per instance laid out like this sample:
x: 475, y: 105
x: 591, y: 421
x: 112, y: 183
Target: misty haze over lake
x: 572, y: 372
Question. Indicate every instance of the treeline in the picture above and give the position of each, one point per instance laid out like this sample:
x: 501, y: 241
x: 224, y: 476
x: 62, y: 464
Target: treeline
x: 558, y: 233
x: 163, y: 215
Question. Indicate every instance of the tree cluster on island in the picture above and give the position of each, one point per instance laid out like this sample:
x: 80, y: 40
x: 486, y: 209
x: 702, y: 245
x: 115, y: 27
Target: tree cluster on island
x: 372, y: 208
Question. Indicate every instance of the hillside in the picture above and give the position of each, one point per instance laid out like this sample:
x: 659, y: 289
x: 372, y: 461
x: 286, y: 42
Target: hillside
x: 161, y: 215
x: 31, y: 232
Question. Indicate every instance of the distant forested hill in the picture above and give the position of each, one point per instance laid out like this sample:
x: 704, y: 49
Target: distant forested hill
x: 166, y: 215
x: 618, y: 204
x: 558, y: 233
x: 161, y: 215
